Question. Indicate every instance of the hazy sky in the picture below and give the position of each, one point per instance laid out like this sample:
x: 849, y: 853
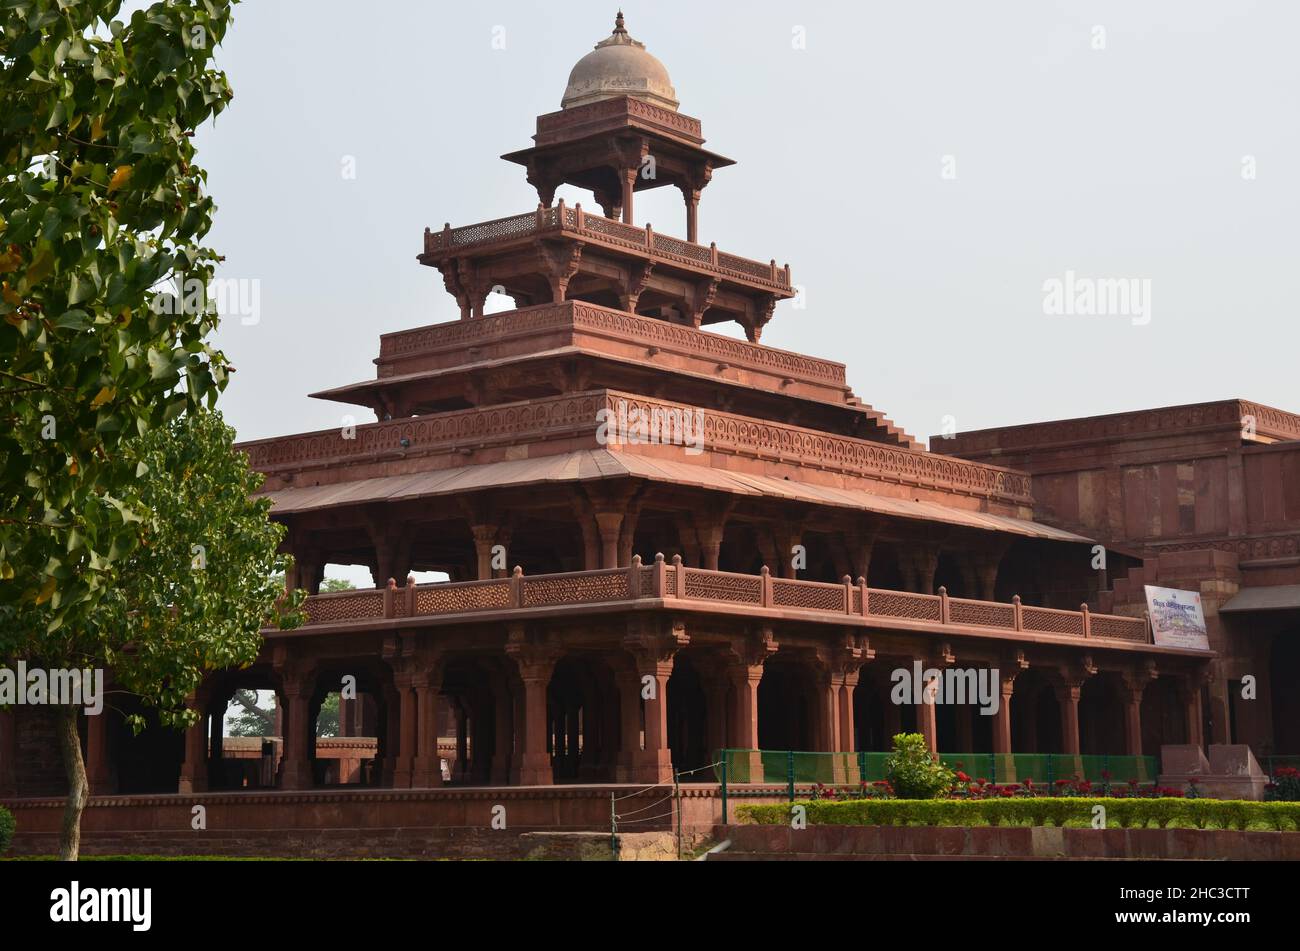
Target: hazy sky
x: 1130, y: 161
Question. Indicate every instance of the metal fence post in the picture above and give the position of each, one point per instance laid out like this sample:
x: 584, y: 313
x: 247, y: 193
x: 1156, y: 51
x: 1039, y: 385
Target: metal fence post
x: 789, y: 772
x: 723, y: 777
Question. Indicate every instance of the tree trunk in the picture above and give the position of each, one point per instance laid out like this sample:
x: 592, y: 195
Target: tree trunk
x: 78, y: 788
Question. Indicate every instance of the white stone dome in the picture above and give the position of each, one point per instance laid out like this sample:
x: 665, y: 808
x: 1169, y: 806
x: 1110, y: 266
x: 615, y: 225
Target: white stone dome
x: 619, y: 66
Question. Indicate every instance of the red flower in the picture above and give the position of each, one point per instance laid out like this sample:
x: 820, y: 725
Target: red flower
x: 962, y: 777
x: 1132, y: 782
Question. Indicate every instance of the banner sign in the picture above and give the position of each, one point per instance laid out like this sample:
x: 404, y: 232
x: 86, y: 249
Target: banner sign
x: 1176, y: 618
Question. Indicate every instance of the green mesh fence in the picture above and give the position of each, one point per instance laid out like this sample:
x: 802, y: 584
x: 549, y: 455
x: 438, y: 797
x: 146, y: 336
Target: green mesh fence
x: 798, y: 770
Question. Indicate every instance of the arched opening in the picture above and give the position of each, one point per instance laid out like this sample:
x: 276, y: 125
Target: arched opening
x: 582, y: 716
x: 145, y: 762
x: 947, y: 574
x: 1020, y: 574
x: 1284, y: 670
x: 475, y: 745
x: 1035, y: 714
x: 347, y: 744
x: 883, y: 571
x: 876, y: 718
x: 656, y: 533
x: 742, y: 549
x: 688, y: 720
x: 249, y: 751
x: 1163, y: 718
x: 787, y: 706
x: 545, y: 543
x: 825, y: 558
x: 1101, y: 717
x: 869, y: 715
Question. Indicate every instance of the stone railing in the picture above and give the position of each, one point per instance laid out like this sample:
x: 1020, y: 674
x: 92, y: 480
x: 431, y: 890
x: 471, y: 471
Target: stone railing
x: 624, y: 326
x: 574, y: 415
x: 605, y: 231
x: 671, y: 580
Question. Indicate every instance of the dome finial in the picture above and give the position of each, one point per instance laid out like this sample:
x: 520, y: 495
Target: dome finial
x: 618, y: 23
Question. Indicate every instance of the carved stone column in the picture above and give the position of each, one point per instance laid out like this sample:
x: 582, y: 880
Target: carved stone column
x: 295, y: 766
x: 485, y: 537
x: 630, y: 728
x: 628, y: 182
x: 1135, y: 685
x: 1002, y: 742
x: 194, y: 771
x: 917, y: 563
x: 535, y: 658
x: 426, y: 764
x: 652, y: 644
x: 1189, y: 695
x: 785, y: 536
x: 692, y: 198
x: 746, y: 673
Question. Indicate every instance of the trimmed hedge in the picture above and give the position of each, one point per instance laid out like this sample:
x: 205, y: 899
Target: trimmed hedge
x: 1042, y: 811
x: 7, y: 826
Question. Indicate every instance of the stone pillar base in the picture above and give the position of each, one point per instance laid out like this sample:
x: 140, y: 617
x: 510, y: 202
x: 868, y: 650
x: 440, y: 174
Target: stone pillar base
x: 296, y: 775
x: 536, y: 770
x: 654, y: 766
x: 1231, y: 772
x: 188, y: 785
x: 426, y: 772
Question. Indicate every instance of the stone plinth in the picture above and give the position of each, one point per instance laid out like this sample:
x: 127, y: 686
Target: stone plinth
x: 1230, y: 772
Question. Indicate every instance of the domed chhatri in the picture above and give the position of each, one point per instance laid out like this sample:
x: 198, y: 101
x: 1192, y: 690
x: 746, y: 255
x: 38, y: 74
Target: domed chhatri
x: 619, y: 66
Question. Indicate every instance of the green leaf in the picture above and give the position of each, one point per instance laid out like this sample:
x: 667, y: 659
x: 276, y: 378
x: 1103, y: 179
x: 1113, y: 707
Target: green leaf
x: 73, y: 320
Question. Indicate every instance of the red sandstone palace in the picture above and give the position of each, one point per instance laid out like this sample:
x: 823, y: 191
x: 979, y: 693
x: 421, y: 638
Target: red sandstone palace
x: 744, y: 573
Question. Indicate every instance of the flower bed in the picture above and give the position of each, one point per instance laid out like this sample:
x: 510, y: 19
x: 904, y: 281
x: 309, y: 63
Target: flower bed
x: 1285, y: 786
x: 1127, y: 812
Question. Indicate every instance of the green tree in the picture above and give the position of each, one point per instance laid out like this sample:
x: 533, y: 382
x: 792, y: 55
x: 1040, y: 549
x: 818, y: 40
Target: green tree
x: 101, y: 204
x: 252, y: 719
x: 256, y: 720
x: 327, y: 721
x: 195, y: 593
